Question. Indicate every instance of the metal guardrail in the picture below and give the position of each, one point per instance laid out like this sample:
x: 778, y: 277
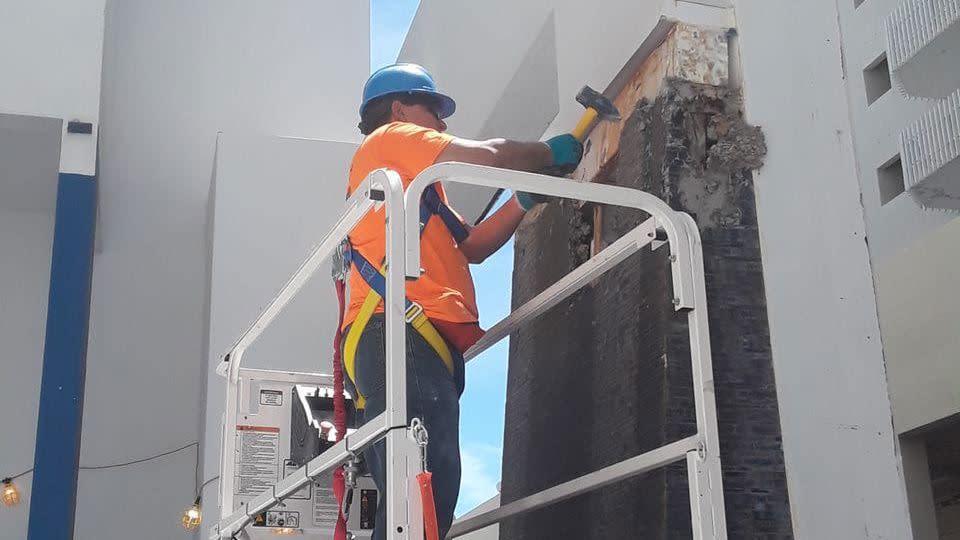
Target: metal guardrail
x: 701, y: 450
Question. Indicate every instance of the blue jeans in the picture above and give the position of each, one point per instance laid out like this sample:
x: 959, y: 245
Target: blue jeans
x: 433, y: 395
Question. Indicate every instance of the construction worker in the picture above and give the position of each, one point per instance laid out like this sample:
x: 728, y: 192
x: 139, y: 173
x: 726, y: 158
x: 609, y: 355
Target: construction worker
x: 402, y: 117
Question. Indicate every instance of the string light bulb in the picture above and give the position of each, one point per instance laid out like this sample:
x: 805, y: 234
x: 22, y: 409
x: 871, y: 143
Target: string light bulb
x: 10, y: 494
x: 192, y: 516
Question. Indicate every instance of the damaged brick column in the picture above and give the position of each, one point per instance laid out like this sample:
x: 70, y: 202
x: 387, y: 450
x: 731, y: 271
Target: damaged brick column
x: 606, y: 375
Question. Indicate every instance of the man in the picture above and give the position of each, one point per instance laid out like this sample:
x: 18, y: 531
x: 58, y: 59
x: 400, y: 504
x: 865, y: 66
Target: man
x: 402, y: 116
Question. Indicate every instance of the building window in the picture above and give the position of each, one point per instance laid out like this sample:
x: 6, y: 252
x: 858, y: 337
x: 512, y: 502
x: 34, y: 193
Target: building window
x: 876, y: 78
x: 890, y: 178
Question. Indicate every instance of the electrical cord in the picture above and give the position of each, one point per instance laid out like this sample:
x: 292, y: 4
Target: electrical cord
x: 14, y: 477
x: 134, y: 462
x: 124, y: 464
x: 203, y: 485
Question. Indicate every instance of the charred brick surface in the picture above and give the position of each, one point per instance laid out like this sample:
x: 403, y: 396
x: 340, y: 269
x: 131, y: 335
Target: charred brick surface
x: 606, y: 374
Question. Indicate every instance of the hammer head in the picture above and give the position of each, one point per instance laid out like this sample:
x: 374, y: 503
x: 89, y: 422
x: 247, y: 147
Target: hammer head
x: 591, y: 99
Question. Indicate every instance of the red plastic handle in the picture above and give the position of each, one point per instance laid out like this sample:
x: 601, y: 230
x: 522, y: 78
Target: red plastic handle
x: 430, y: 528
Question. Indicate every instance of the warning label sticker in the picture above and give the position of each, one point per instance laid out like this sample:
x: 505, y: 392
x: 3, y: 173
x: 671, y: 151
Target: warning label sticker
x: 271, y: 397
x: 304, y: 492
x: 256, y: 459
x: 325, y: 507
x: 279, y: 518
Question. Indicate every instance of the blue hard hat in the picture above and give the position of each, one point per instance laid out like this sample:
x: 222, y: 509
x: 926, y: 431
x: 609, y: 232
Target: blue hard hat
x: 405, y: 79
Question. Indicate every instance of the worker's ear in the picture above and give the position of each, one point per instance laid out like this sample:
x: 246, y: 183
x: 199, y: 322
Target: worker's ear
x: 398, y: 111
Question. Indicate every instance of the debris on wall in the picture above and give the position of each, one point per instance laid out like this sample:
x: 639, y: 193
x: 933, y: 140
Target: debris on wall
x: 606, y: 374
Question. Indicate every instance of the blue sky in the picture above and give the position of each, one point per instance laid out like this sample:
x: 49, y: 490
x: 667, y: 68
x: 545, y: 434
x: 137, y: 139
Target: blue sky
x: 482, y: 404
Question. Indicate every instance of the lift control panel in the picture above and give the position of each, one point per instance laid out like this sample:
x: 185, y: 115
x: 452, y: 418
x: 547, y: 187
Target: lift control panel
x: 284, y: 420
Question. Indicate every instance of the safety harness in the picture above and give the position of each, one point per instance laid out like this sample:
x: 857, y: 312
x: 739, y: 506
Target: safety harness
x: 431, y: 204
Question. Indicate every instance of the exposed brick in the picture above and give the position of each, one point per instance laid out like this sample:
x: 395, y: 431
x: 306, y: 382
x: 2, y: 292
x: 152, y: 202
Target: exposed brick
x: 606, y: 374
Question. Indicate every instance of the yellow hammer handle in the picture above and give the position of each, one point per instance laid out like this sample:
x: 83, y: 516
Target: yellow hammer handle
x: 580, y: 132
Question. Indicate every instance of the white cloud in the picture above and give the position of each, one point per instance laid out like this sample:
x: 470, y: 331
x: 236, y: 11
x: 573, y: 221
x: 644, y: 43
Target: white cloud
x: 480, y: 466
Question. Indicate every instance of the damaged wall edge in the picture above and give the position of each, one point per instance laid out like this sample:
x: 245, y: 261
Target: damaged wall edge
x: 616, y: 352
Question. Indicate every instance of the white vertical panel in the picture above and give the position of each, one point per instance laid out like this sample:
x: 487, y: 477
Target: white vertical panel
x: 175, y: 74
x: 51, y: 67
x: 842, y: 468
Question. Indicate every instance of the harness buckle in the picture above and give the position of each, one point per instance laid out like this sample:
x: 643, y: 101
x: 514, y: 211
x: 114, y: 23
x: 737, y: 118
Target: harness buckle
x: 413, y: 312
x: 340, y: 261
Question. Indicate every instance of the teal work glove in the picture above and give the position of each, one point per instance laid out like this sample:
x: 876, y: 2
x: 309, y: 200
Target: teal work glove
x: 528, y: 200
x: 567, y: 152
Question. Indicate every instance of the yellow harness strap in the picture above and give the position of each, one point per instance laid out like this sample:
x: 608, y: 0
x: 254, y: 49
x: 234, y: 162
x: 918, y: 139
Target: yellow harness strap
x: 420, y: 323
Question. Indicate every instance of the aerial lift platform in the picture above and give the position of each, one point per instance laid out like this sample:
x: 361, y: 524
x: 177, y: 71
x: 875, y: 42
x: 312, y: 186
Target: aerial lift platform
x: 256, y: 423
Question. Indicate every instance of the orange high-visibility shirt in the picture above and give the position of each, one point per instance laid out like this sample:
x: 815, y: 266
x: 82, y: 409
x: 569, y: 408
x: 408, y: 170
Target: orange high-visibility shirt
x: 445, y: 289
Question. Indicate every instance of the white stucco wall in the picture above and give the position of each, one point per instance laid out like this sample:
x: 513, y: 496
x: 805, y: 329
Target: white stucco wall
x: 533, y: 63
x: 261, y: 233
x: 51, y: 67
x: 919, y: 310
x: 876, y: 130
x: 842, y: 469
x: 913, y: 250
x: 175, y: 74
x: 25, y: 246
x: 517, y: 75
x: 593, y: 40
x: 841, y: 460
x: 29, y: 166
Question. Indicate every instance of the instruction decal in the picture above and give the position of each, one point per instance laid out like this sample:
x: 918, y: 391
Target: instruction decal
x: 303, y: 493
x: 325, y: 506
x: 256, y: 459
x: 277, y: 518
x: 274, y: 398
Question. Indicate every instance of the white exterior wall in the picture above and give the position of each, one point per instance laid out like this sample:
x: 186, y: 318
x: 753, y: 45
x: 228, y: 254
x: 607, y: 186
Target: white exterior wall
x: 29, y: 162
x: 51, y: 67
x: 261, y: 233
x: 175, y: 74
x: 876, y: 129
x: 843, y: 471
x: 515, y: 67
x: 592, y: 41
x: 914, y: 251
x: 25, y: 241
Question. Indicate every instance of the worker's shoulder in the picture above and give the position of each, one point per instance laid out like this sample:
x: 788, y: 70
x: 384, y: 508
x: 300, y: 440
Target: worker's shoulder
x: 383, y: 135
x: 396, y: 129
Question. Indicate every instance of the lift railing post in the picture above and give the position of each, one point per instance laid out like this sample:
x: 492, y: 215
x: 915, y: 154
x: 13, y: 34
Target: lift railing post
x: 705, y: 481
x: 388, y: 186
x: 229, y: 442
x: 398, y: 443
x: 703, y: 466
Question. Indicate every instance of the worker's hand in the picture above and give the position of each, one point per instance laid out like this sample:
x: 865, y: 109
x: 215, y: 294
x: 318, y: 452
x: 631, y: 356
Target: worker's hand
x: 567, y: 152
x: 528, y: 200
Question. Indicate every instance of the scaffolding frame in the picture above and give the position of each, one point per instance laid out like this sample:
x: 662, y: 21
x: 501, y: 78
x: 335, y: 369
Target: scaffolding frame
x: 384, y: 188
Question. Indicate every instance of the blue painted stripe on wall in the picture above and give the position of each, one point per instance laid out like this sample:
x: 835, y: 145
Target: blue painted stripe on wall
x: 57, y: 456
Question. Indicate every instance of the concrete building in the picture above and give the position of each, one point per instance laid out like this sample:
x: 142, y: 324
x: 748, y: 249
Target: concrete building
x: 164, y: 166
x: 855, y: 270
x: 155, y: 83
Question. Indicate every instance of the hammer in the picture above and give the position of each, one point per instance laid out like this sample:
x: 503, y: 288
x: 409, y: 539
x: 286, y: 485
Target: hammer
x: 598, y: 106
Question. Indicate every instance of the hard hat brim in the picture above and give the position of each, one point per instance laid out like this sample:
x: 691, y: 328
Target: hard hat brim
x: 446, y: 105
